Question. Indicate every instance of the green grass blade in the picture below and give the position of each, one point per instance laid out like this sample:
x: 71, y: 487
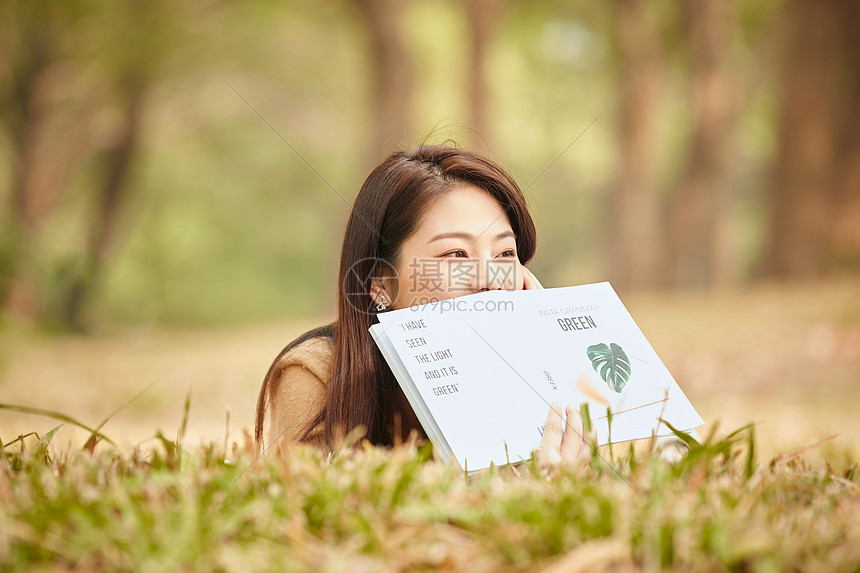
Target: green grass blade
x: 57, y: 416
x: 91, y: 442
x: 683, y: 436
x: 749, y: 467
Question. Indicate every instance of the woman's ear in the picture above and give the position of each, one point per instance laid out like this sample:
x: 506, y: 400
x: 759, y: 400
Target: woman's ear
x: 378, y: 293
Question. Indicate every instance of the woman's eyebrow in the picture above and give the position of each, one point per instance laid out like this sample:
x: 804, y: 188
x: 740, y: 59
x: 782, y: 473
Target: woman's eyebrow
x: 470, y: 236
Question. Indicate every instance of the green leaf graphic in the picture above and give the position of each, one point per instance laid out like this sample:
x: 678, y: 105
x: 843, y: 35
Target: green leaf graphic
x: 611, y: 363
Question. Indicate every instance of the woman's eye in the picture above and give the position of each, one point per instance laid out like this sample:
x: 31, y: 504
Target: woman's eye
x: 508, y: 253
x: 457, y: 253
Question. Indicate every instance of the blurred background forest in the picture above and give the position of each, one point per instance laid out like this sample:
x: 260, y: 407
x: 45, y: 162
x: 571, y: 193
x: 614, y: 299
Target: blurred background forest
x: 140, y: 187
x: 176, y: 164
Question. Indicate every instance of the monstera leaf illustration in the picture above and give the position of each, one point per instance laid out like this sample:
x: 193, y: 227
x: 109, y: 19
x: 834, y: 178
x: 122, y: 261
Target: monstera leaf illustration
x: 611, y: 363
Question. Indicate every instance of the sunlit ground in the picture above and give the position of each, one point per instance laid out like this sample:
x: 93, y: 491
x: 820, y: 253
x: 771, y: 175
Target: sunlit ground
x: 784, y: 358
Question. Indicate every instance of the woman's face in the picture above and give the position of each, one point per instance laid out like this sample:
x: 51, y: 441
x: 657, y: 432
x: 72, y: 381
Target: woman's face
x: 464, y: 244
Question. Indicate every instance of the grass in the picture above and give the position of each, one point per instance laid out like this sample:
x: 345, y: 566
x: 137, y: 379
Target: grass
x: 787, y: 359
x: 168, y: 508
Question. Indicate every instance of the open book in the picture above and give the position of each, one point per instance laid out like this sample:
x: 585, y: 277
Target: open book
x: 480, y: 371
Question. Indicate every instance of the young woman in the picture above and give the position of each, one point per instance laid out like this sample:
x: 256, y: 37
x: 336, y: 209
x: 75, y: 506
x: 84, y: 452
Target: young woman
x: 430, y: 224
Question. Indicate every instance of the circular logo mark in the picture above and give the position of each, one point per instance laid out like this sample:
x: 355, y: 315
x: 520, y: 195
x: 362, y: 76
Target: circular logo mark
x: 358, y: 279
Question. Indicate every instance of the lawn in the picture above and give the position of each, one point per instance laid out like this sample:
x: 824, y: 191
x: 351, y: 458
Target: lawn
x: 773, y: 370
x: 166, y: 508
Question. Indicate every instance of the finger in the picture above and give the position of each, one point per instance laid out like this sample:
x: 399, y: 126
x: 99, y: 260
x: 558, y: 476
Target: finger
x: 572, y: 444
x: 549, y: 451
x: 530, y: 281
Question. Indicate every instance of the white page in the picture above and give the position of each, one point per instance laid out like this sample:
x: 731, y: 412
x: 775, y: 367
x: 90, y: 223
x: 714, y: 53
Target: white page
x: 413, y: 396
x: 478, y: 429
x: 559, y: 325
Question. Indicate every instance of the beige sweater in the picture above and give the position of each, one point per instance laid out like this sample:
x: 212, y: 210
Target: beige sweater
x: 297, y: 393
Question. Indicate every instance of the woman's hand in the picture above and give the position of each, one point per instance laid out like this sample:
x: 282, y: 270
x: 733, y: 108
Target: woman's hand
x: 530, y: 281
x: 573, y: 450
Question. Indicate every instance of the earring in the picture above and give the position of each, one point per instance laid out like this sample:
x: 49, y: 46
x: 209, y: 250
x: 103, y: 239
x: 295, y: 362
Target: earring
x: 380, y: 306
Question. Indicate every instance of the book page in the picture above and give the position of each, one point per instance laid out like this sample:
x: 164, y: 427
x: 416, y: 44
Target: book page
x: 486, y: 412
x: 562, y: 325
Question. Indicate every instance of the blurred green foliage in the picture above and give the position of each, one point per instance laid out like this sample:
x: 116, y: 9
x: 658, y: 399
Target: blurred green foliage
x: 225, y: 220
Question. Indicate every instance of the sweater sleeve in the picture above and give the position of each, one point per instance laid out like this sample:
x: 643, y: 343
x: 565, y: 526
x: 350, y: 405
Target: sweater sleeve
x: 297, y: 393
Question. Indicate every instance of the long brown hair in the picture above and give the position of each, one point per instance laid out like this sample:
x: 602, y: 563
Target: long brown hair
x: 386, y: 212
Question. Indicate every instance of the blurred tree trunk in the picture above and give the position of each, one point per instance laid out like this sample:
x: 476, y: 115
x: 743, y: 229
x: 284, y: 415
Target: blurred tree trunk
x: 119, y: 160
x: 845, y: 240
x: 699, y: 244
x: 392, y: 74
x: 483, y: 17
x: 636, y: 257
x: 22, y: 115
x: 802, y: 193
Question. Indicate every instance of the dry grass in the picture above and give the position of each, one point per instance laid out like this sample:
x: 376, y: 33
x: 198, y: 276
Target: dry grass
x: 786, y: 359
x: 367, y: 509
